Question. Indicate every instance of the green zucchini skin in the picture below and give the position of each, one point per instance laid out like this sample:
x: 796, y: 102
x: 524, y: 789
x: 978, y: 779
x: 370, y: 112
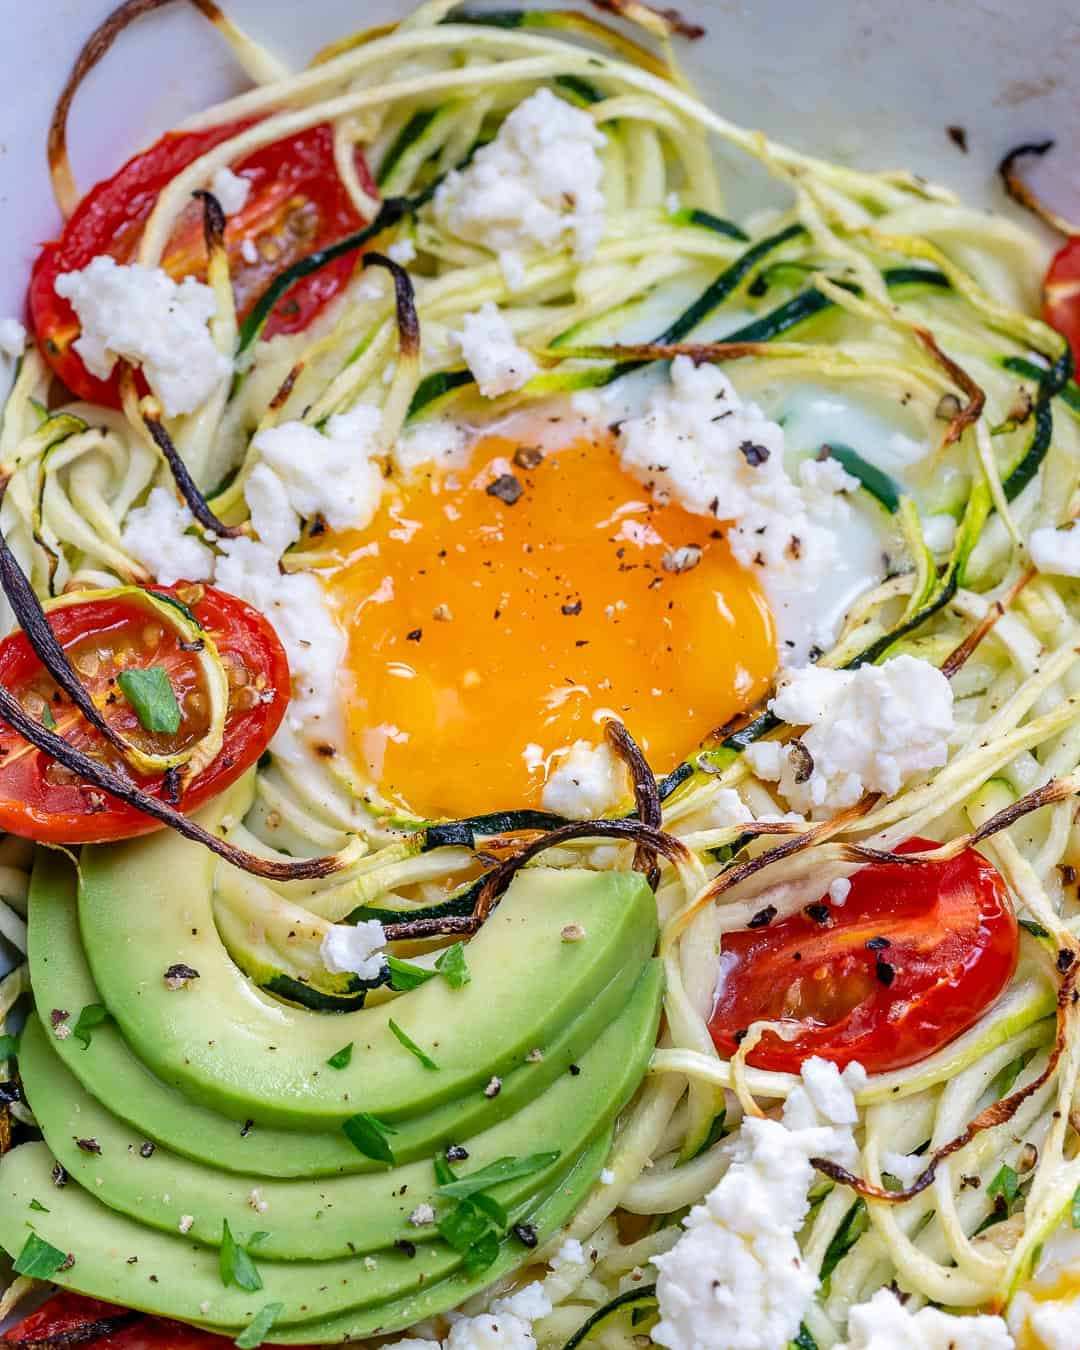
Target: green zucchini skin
x: 411, y: 132
x: 881, y: 486
x: 632, y: 1298
x: 295, y: 991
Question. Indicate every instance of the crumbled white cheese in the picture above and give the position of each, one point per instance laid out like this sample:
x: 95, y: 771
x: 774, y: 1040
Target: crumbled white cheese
x: 939, y: 532
x: 187, y: 1222
x: 487, y: 343
x: 698, y: 443
x: 906, y: 1167
x: 535, y: 187
x: 12, y: 338
x: 885, y: 1324
x: 402, y: 251
x: 296, y: 605
x: 421, y: 1215
x: 248, y: 251
x: 156, y: 536
x: 142, y: 315
x: 1056, y: 552
x: 839, y: 890
x: 231, y: 190
x: 437, y: 440
x: 588, y: 780
x: 256, y: 1202
x: 508, y: 1325
x: 332, y: 475
x: 736, y: 1279
x: 607, y: 1176
x: 571, y: 1253
x: 868, y: 730
x: 354, y: 949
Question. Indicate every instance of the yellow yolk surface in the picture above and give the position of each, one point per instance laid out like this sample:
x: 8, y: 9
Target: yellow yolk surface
x: 494, y: 612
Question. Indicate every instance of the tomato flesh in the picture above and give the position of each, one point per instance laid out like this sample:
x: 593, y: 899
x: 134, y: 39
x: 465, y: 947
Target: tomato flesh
x: 1061, y: 293
x: 297, y: 205
x: 43, y: 800
x: 912, y: 958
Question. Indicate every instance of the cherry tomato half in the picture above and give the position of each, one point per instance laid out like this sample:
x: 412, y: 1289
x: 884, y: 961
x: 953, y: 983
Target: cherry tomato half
x: 65, y: 1313
x: 912, y: 958
x: 1061, y: 293
x: 43, y: 800
x: 297, y: 205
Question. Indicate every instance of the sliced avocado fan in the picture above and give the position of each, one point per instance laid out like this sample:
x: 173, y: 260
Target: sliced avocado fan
x: 199, y: 1108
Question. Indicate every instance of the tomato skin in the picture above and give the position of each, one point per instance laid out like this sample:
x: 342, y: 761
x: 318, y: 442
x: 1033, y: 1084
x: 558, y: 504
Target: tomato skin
x: 297, y: 204
x: 66, y: 1312
x: 952, y: 945
x: 60, y: 812
x: 1061, y: 293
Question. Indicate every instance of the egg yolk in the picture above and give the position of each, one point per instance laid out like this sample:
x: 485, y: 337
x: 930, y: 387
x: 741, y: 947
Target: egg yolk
x: 499, y: 613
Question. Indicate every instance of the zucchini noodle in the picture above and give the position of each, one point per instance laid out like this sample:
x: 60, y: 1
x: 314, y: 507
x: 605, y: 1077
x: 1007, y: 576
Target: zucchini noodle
x: 872, y: 283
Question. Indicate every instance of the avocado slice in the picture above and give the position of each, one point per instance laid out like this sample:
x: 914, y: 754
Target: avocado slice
x: 175, y: 1277
x: 428, y: 1300
x: 111, y: 1073
x: 325, y: 1218
x: 226, y: 1044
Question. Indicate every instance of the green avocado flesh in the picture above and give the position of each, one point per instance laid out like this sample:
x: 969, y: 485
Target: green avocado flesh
x: 214, y: 1102
x: 323, y: 1218
x: 223, y: 1042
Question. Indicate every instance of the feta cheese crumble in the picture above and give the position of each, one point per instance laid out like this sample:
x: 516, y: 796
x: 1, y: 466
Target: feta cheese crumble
x: 696, y: 442
x: 885, y: 1324
x: 331, y: 475
x: 506, y: 1326
x: 155, y: 534
x: 868, y: 730
x: 587, y: 781
x: 736, y: 1279
x: 141, y: 315
x: 487, y: 343
x: 438, y: 440
x: 232, y: 190
x: 535, y: 188
x: 12, y: 338
x: 1056, y: 551
x: 354, y: 949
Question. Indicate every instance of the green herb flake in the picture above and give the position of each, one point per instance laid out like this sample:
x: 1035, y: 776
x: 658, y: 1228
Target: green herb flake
x: 1006, y: 1183
x: 1076, y: 1208
x: 463, y: 1225
x: 39, y: 1260
x: 9, y: 1047
x: 502, y: 1169
x: 235, y: 1264
x: 451, y: 966
x: 48, y: 721
x: 482, y: 1253
x: 38, y: 1207
x: 1035, y: 929
x: 92, y: 1016
x: 341, y: 1059
x: 367, y: 1134
x: 404, y: 975
x: 151, y: 695
x: 804, y: 1341
x: 410, y: 1045
x: 255, y: 1332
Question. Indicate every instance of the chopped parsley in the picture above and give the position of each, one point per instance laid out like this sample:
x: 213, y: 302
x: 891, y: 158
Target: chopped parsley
x: 38, y: 1207
x: 48, y: 721
x: 1006, y: 1183
x: 255, y: 1332
x: 405, y: 975
x: 1076, y: 1208
x: 407, y: 1041
x: 502, y: 1169
x: 151, y: 695
x: 39, y: 1260
x: 341, y: 1059
x: 92, y: 1016
x: 451, y: 966
x: 235, y: 1264
x: 367, y: 1134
